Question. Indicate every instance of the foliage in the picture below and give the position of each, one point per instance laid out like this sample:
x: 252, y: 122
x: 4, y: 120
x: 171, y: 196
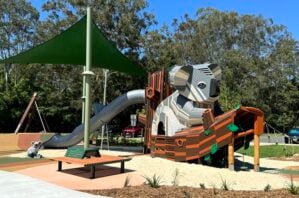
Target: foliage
x: 267, y: 188
x: 176, y: 175
x: 292, y: 188
x: 122, y: 141
x: 214, y: 190
x: 59, y: 86
x: 224, y: 185
x: 258, y: 59
x: 127, y: 181
x: 187, y: 194
x: 154, y: 182
x: 272, y: 151
x: 202, y: 186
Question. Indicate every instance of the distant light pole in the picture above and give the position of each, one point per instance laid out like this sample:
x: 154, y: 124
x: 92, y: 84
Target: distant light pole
x: 106, y: 75
x: 105, y: 85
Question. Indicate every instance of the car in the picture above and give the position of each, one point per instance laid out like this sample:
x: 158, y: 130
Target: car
x: 132, y: 131
x: 292, y: 137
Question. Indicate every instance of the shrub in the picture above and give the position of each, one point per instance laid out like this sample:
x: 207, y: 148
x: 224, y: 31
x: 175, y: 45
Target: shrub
x: 175, y: 181
x: 127, y: 181
x: 214, y: 190
x: 154, y: 182
x: 292, y: 188
x: 187, y: 194
x: 202, y: 186
x: 224, y: 185
x: 267, y: 188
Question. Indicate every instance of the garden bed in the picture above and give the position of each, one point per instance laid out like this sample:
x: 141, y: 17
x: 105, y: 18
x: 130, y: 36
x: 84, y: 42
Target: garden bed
x: 176, y: 191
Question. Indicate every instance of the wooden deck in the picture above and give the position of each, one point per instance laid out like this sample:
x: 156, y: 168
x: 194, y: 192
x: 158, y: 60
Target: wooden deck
x: 92, y: 162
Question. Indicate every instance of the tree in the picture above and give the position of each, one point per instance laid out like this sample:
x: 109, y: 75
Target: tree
x: 18, y: 21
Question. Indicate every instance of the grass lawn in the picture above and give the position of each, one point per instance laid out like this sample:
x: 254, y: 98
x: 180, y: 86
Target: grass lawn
x: 272, y: 151
x: 8, y: 160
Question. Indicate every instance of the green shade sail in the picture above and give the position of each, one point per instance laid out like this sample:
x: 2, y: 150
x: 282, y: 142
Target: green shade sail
x: 69, y: 47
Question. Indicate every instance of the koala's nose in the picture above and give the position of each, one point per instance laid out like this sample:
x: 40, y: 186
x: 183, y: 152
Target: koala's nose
x: 214, y: 88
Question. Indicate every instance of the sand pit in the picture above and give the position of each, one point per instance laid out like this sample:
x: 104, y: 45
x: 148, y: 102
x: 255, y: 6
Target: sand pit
x: 194, y: 174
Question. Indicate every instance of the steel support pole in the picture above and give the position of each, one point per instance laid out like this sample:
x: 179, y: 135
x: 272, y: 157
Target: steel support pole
x: 83, y: 96
x: 87, y: 73
x: 104, y: 103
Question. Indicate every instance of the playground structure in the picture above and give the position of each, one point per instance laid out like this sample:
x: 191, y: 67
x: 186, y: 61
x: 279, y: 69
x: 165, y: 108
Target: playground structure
x: 202, y: 134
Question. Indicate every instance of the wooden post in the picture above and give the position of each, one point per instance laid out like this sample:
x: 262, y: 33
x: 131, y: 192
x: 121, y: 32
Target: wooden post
x: 258, y: 130
x: 231, y: 159
x: 256, y: 152
x: 26, y: 112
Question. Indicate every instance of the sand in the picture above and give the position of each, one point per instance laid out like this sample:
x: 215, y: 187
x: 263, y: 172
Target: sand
x: 194, y: 174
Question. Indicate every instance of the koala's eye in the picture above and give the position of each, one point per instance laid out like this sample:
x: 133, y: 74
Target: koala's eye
x: 202, y: 85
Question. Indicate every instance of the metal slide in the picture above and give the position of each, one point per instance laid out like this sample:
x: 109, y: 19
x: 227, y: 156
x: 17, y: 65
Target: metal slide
x: 104, y: 116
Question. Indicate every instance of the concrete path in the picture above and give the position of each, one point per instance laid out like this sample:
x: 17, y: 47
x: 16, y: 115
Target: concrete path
x: 14, y: 185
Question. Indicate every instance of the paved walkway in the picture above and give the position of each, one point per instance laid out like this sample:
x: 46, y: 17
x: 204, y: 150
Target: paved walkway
x: 14, y: 185
x: 76, y: 177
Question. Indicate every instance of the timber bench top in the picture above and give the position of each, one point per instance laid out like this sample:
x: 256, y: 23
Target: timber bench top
x: 104, y: 159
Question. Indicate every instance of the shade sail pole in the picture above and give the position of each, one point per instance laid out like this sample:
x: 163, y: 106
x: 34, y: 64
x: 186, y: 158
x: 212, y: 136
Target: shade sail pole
x: 83, y: 97
x: 87, y: 73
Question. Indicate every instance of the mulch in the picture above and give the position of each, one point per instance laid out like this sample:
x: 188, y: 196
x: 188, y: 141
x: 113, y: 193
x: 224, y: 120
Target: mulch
x: 187, y: 192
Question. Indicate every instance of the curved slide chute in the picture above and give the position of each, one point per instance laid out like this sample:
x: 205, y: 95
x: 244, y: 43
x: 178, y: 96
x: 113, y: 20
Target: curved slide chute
x: 103, y: 117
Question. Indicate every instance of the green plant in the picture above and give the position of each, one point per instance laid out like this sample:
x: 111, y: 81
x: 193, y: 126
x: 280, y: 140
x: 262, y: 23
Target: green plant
x: 224, y: 185
x: 127, y: 181
x: 175, y: 181
x: 214, y: 190
x: 187, y: 194
x: 202, y: 186
x: 287, y: 153
x: 154, y: 182
x: 292, y: 188
x: 267, y: 188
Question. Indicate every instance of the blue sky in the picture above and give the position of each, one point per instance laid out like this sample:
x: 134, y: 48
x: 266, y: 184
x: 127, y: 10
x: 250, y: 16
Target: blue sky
x: 285, y: 12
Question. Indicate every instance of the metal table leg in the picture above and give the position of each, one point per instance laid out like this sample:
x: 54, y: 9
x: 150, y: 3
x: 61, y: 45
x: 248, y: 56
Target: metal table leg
x: 122, y: 166
x: 59, y: 165
x: 92, y: 172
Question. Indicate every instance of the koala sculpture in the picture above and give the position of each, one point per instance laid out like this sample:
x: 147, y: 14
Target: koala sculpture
x: 197, y: 87
x: 32, y: 151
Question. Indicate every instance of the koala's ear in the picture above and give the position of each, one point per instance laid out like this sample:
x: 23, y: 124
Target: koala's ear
x: 179, y: 75
x: 216, y: 70
x: 32, y: 142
